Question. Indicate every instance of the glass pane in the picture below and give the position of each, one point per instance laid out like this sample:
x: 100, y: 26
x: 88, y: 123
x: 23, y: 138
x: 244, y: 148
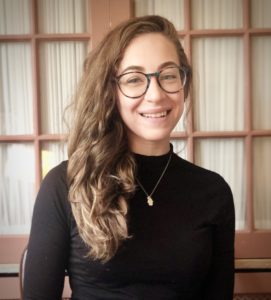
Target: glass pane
x: 182, y: 124
x: 260, y: 13
x: 261, y: 88
x: 16, y: 99
x: 226, y: 157
x: 15, y: 16
x: 172, y: 10
x: 62, y: 16
x: 52, y: 154
x: 262, y: 180
x: 180, y: 147
x: 60, y: 69
x: 218, y: 84
x: 17, y: 187
x: 217, y: 14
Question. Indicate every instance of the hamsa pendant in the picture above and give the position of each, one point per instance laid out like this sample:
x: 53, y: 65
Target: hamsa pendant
x: 149, y: 201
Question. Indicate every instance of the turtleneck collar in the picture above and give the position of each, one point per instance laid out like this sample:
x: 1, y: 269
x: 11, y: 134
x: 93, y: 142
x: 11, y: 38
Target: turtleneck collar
x: 146, y: 161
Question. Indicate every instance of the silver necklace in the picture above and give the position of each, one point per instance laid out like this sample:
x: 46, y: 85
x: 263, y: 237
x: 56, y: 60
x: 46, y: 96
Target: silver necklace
x: 150, y: 200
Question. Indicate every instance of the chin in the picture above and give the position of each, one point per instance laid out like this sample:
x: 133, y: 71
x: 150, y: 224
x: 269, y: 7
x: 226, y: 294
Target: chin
x: 157, y: 137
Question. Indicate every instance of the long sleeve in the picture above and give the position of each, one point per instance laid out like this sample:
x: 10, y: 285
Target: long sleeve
x: 48, y: 246
x: 220, y: 282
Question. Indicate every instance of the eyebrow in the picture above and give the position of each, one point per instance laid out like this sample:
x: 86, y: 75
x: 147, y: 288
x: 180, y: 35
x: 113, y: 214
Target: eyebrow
x: 141, y: 69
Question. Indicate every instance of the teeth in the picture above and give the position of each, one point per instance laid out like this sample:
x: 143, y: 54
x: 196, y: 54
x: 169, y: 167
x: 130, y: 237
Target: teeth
x: 157, y: 115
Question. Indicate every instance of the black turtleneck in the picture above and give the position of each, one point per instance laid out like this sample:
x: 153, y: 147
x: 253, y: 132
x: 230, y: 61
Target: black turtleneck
x: 180, y: 248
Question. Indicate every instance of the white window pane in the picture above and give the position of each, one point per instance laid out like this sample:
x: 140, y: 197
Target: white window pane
x: 180, y: 147
x: 62, y: 16
x: 15, y: 16
x: 170, y: 9
x: 182, y: 124
x: 226, y: 157
x: 16, y: 98
x: 260, y: 13
x: 261, y: 78
x: 262, y: 180
x: 217, y: 14
x: 218, y: 84
x: 17, y: 187
x: 60, y: 69
x: 52, y: 154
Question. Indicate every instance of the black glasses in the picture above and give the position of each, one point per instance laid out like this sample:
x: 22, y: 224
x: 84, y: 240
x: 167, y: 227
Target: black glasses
x: 135, y: 84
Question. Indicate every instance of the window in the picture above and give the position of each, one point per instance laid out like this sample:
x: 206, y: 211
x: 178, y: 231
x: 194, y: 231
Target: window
x: 42, y: 45
x: 229, y: 125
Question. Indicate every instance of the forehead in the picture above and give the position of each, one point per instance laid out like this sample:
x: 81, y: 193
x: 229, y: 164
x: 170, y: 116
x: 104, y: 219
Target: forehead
x: 149, y: 51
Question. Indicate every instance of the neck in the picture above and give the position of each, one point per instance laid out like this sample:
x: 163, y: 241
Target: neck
x: 150, y: 148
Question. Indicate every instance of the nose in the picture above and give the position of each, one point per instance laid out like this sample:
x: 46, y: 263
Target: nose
x: 154, y: 92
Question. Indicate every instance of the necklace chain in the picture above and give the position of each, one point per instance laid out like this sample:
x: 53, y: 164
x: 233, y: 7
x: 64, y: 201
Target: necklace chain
x: 150, y: 200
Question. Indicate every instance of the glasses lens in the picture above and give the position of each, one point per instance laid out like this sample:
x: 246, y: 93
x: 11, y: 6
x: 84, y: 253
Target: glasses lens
x: 172, y: 79
x: 133, y: 84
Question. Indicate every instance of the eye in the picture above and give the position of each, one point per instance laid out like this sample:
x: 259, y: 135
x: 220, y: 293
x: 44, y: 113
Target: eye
x: 169, y: 75
x: 132, y: 79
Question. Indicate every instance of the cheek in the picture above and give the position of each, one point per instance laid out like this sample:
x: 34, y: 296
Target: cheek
x: 126, y: 105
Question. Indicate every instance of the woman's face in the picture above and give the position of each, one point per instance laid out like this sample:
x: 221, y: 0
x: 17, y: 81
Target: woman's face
x: 150, y: 118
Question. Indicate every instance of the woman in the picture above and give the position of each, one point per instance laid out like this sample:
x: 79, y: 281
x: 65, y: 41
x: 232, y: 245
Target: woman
x: 125, y: 216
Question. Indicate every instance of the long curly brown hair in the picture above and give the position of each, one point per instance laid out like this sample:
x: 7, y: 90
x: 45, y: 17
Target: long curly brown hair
x: 101, y: 168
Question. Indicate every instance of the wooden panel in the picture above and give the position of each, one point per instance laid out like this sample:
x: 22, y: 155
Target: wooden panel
x: 253, y: 245
x: 248, y: 283
x: 99, y: 19
x: 106, y: 14
x: 120, y: 10
x: 9, y: 288
x: 11, y: 249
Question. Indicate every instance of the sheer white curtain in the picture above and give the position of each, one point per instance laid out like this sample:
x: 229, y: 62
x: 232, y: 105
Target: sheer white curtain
x: 218, y: 86
x: 183, y: 122
x: 217, y: 14
x: 218, y: 90
x: 260, y: 17
x: 171, y: 9
x: 261, y: 182
x: 62, y: 16
x: 16, y: 112
x: 180, y: 147
x: 261, y: 97
x: 61, y: 67
x: 52, y: 154
x: 15, y: 16
x: 261, y: 78
x: 17, y: 187
x: 226, y: 157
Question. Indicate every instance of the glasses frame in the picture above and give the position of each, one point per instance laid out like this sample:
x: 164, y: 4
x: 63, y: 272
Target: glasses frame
x: 156, y: 75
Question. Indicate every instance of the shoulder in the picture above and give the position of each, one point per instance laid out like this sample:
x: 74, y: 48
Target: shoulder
x: 196, y: 172
x: 207, y: 190
x: 55, y: 182
x: 201, y: 180
x: 53, y: 193
x: 57, y: 175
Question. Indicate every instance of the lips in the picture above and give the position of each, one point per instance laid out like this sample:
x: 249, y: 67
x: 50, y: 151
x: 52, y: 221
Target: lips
x: 155, y: 115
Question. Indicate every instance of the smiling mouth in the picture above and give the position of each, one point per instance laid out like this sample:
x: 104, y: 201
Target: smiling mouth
x: 156, y: 115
